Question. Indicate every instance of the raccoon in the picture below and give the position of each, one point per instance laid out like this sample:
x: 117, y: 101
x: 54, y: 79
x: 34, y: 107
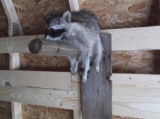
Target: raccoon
x: 79, y: 30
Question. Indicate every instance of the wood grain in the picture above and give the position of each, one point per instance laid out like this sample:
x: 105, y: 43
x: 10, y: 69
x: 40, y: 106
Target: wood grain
x: 136, y: 95
x: 142, y: 38
x: 37, y: 79
x: 44, y: 97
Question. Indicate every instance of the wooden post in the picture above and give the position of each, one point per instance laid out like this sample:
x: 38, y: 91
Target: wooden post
x: 47, y: 47
x: 74, y: 5
x: 97, y: 91
x: 15, y: 29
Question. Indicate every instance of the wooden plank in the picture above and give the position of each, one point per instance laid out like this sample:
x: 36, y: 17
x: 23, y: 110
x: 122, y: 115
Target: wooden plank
x: 44, y: 97
x: 96, y: 92
x: 136, y: 95
x: 77, y: 114
x: 14, y: 63
x: 12, y: 17
x: 37, y: 79
x: 4, y: 45
x: 142, y: 38
x: 74, y: 5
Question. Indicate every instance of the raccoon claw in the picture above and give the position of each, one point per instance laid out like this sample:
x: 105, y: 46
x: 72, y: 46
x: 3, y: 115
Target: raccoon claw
x: 97, y: 69
x: 73, y: 72
x: 84, y: 80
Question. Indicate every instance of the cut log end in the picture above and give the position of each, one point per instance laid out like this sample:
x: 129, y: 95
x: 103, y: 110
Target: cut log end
x: 35, y: 46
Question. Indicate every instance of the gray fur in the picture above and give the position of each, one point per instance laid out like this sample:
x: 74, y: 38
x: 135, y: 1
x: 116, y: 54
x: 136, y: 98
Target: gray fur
x: 82, y: 33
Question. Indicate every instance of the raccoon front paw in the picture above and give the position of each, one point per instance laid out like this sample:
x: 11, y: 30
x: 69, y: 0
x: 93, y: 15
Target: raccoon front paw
x: 84, y: 80
x: 97, y: 69
x: 73, y: 71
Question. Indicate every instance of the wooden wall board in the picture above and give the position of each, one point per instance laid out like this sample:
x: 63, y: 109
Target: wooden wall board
x: 4, y: 61
x: 142, y: 38
x: 37, y: 79
x: 44, y: 97
x: 32, y: 12
x: 136, y: 95
x: 5, y: 110
x: 34, y: 111
x: 4, y: 22
x: 121, y: 13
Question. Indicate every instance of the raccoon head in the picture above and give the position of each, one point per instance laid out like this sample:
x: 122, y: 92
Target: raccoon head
x: 57, y: 26
x: 60, y: 22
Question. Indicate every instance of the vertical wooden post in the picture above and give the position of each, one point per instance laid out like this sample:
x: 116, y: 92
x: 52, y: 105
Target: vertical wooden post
x: 74, y: 5
x: 14, y: 29
x: 97, y: 91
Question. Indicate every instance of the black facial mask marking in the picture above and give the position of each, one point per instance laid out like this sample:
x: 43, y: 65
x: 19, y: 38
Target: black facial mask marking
x: 54, y: 33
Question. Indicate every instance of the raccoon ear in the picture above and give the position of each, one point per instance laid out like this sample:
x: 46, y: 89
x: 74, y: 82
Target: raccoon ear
x: 67, y: 16
x: 48, y: 17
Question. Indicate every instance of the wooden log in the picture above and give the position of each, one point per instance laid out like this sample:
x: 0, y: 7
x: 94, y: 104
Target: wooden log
x: 97, y: 91
x: 47, y: 47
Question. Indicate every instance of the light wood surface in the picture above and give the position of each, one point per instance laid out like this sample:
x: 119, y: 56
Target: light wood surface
x: 140, y: 38
x: 74, y: 5
x: 37, y: 79
x: 45, y: 97
x: 136, y: 95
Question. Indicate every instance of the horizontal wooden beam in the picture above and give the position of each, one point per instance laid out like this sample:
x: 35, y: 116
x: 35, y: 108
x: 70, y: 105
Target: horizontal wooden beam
x: 136, y: 95
x: 142, y: 38
x: 45, y: 97
x: 38, y: 79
